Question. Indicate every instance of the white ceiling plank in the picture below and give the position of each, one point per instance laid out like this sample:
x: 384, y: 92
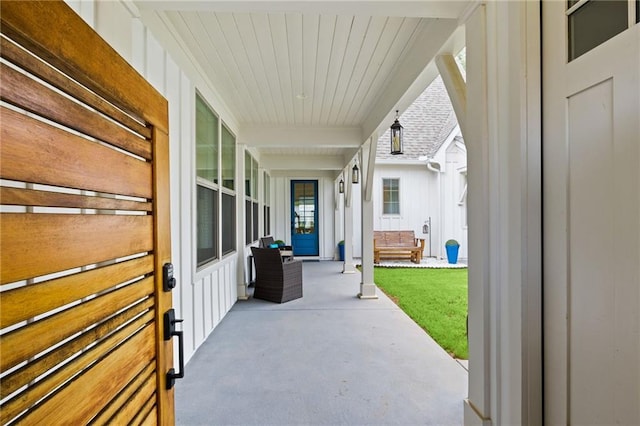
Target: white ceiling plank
x: 354, y: 43
x: 353, y: 62
x: 256, y: 70
x: 310, y: 45
x: 262, y: 28
x: 294, y: 43
x: 301, y: 162
x: 210, y: 31
x: 397, y: 8
x: 399, y: 46
x: 196, y: 36
x: 338, y: 48
x: 278, y: 28
x: 233, y: 39
x: 326, y: 32
x: 382, y: 53
x: 299, y: 137
x: 365, y: 54
x: 429, y: 40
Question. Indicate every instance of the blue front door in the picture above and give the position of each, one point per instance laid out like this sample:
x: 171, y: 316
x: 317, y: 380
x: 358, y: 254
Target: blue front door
x: 304, y: 217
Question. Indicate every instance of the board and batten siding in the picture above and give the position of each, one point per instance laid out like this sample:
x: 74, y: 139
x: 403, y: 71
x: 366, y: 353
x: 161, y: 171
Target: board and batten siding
x: 281, y: 208
x: 202, y: 298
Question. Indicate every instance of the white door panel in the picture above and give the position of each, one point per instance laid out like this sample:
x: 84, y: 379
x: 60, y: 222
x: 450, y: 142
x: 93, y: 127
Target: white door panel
x: 591, y: 196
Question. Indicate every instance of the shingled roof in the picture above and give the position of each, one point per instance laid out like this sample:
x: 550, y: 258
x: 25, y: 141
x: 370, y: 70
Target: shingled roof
x: 427, y: 123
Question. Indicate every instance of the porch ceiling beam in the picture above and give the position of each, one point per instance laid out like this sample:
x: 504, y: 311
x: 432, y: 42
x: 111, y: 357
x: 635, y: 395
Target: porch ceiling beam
x: 401, y: 8
x: 299, y: 137
x: 455, y: 85
x: 302, y: 162
x: 415, y: 73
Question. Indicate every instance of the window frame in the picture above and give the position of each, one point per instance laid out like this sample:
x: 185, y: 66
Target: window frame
x: 203, y: 182
x: 399, y: 213
x: 251, y: 199
x: 224, y: 191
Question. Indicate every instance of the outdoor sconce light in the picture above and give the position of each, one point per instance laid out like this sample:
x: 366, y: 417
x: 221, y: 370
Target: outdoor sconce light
x: 341, y: 186
x: 355, y: 174
x: 396, y: 137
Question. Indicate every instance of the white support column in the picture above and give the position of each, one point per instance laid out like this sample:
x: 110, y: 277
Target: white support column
x: 503, y: 155
x: 456, y: 87
x: 348, y: 266
x: 367, y: 161
x: 241, y: 264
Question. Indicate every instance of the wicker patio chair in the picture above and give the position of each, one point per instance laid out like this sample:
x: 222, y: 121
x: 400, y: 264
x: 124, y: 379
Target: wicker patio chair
x: 277, y: 280
x: 265, y: 242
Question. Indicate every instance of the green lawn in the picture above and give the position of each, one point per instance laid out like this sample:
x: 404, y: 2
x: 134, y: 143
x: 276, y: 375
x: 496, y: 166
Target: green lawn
x: 436, y: 299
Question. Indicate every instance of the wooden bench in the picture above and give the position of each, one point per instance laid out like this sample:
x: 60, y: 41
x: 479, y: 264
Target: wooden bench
x: 397, y: 245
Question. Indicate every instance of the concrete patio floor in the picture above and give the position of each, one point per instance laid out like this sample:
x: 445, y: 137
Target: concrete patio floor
x: 328, y: 358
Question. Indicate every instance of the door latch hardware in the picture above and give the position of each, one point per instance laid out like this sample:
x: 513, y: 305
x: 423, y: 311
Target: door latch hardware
x: 169, y: 331
x: 168, y: 281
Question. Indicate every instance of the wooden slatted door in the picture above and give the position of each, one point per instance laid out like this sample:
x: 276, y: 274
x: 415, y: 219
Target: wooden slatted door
x: 84, y: 227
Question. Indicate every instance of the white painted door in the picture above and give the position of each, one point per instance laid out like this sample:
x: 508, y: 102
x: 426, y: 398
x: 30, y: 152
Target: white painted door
x: 591, y: 193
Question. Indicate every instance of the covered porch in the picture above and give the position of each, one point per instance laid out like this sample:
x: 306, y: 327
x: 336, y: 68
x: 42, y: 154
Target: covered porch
x: 327, y: 358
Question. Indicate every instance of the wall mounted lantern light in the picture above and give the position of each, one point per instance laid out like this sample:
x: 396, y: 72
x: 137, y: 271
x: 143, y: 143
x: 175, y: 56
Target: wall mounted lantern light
x: 341, y: 186
x: 396, y: 137
x: 355, y: 174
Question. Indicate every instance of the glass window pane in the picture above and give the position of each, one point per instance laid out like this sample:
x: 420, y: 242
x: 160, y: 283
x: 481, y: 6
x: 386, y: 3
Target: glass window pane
x: 267, y: 220
x: 390, y: 196
x: 228, y: 223
x: 228, y: 158
x: 594, y: 23
x: 267, y: 189
x: 255, y: 221
x: 247, y: 173
x: 254, y: 179
x: 207, y: 216
x: 206, y: 142
x: 247, y: 222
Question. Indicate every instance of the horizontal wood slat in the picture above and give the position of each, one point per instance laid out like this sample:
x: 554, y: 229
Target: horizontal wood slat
x: 26, y: 93
x: 143, y: 413
x: 35, y: 198
x: 21, y: 344
x: 107, y: 74
x: 91, y: 391
x: 35, y: 66
x: 29, y: 372
x: 137, y: 405
x: 26, y: 302
x: 151, y: 419
x: 106, y: 416
x: 56, y: 157
x: 42, y: 388
x: 35, y: 244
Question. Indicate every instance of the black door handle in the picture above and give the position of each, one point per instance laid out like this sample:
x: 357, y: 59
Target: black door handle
x: 169, y: 331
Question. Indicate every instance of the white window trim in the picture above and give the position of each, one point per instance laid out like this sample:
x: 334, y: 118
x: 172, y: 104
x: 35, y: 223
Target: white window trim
x: 388, y: 215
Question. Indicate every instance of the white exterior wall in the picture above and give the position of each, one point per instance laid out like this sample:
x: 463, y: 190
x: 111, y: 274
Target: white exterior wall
x: 281, y: 208
x: 454, y: 200
x: 427, y: 194
x: 201, y: 298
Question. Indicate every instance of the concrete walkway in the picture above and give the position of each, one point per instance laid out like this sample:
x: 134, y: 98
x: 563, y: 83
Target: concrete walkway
x: 326, y: 359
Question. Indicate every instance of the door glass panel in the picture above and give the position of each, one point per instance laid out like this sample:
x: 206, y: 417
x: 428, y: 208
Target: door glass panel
x: 594, y: 23
x: 304, y: 205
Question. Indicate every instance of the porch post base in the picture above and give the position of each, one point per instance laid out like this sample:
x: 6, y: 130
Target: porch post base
x: 348, y: 268
x: 242, y: 292
x: 472, y: 417
x: 367, y: 291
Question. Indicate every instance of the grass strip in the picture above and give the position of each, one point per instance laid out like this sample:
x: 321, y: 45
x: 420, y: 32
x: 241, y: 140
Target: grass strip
x: 436, y: 299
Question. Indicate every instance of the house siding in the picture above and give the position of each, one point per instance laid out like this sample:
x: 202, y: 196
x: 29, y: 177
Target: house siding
x: 202, y: 298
